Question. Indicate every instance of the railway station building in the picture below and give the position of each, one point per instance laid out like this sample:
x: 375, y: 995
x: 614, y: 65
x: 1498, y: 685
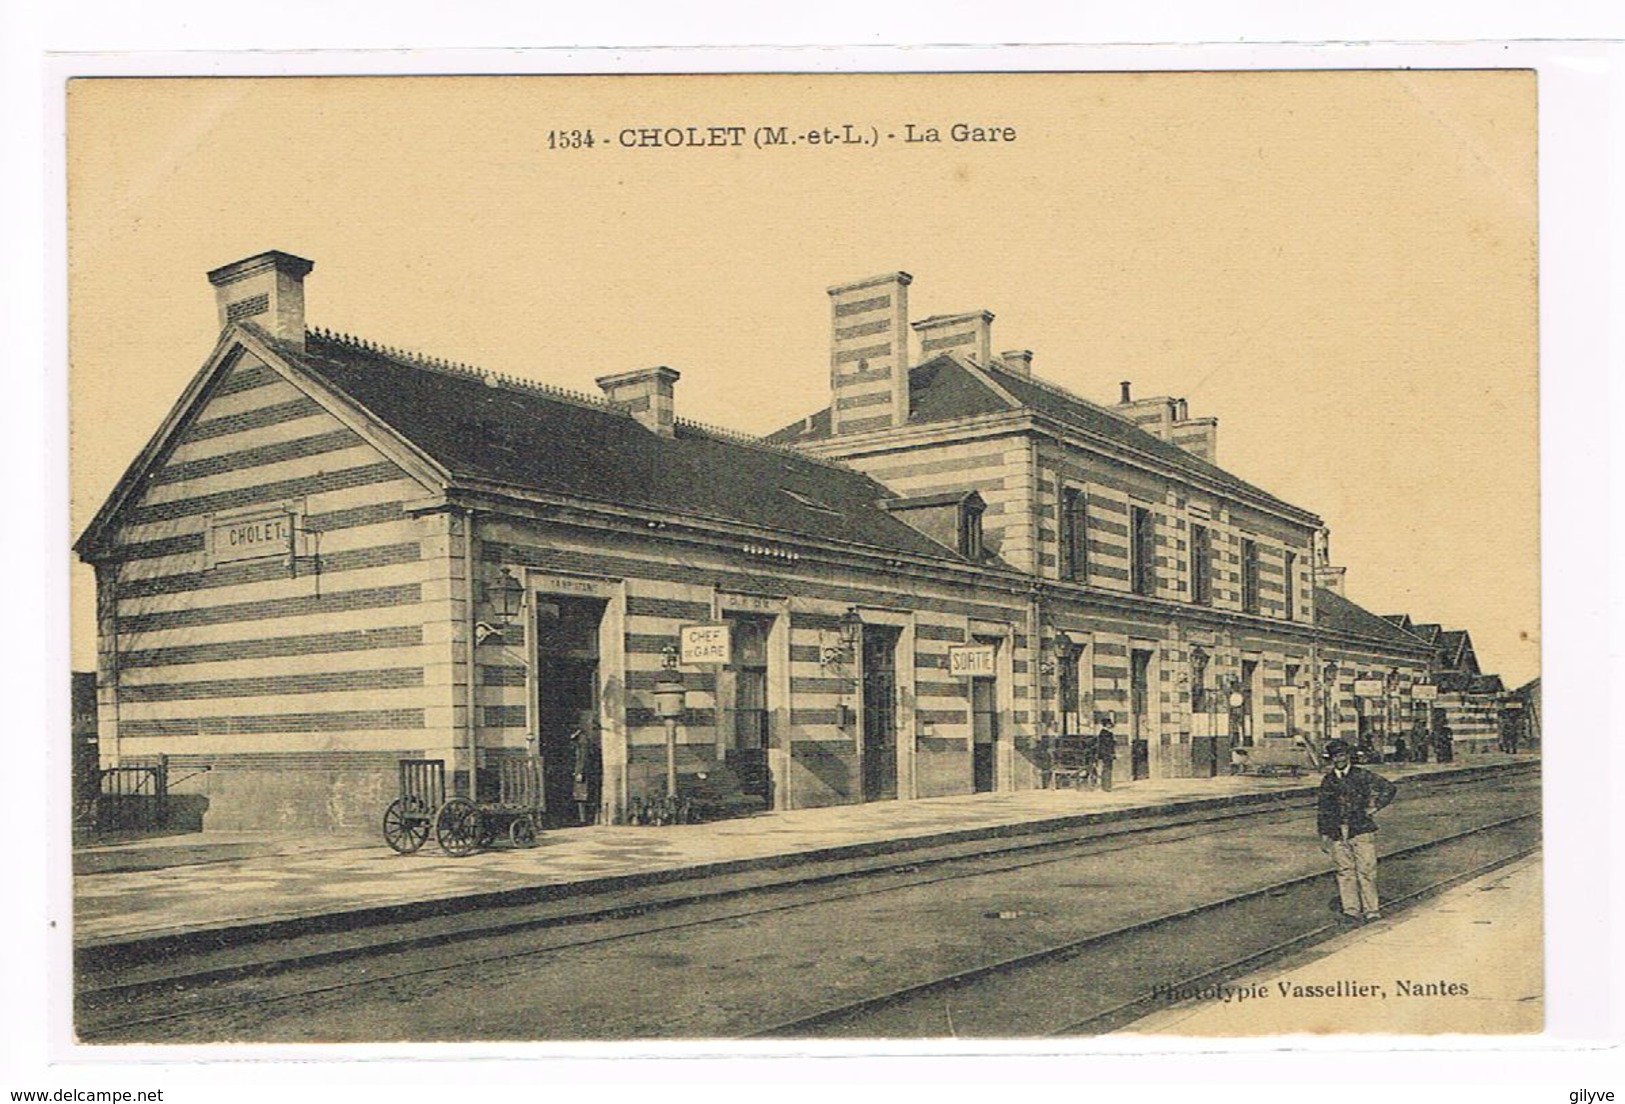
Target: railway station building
x: 334, y: 555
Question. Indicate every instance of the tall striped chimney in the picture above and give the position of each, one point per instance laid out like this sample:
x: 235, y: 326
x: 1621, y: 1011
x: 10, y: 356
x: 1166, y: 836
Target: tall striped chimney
x: 868, y: 359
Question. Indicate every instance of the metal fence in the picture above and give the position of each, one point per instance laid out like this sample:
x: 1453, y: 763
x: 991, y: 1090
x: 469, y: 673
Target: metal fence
x: 133, y: 797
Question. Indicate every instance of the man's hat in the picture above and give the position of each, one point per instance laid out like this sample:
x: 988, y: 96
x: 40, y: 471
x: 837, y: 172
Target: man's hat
x: 1338, y: 747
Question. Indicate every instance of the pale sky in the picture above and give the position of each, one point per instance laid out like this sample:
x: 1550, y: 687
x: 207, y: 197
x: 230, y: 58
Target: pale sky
x: 1339, y: 266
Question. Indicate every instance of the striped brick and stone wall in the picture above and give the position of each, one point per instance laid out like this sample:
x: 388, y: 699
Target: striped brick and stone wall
x: 325, y: 656
x: 652, y: 587
x: 1474, y: 719
x: 1112, y: 490
x: 1286, y: 689
x: 1357, y: 661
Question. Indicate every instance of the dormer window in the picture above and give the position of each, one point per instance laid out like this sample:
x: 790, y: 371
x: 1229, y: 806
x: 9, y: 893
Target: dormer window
x: 952, y: 518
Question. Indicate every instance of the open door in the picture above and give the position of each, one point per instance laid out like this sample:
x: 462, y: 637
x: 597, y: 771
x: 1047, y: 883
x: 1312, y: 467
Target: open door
x: 567, y: 708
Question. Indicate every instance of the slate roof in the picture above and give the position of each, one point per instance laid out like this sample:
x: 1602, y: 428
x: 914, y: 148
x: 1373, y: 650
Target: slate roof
x: 541, y: 441
x: 945, y: 388
x: 1428, y: 633
x: 1453, y: 644
x: 1333, y: 611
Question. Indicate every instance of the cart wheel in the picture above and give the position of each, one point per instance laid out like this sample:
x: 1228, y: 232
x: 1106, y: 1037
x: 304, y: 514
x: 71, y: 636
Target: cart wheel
x: 402, y: 830
x: 457, y: 827
x: 522, y: 832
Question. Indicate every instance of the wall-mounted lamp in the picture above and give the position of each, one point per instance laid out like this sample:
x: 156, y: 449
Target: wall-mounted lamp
x: 1052, y: 650
x: 504, y: 599
x: 850, y: 629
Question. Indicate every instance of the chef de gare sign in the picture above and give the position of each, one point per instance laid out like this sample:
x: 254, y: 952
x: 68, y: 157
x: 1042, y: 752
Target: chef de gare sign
x: 703, y: 644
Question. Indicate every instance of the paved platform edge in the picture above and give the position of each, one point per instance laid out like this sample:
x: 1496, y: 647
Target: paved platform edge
x: 178, y: 940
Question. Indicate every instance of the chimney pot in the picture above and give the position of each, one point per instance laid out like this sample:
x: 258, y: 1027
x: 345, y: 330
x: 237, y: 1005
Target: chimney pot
x: 267, y: 290
x: 1125, y: 400
x: 647, y: 394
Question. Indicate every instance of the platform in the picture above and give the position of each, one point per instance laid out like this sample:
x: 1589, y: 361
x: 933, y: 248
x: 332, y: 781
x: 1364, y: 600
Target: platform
x: 191, y: 884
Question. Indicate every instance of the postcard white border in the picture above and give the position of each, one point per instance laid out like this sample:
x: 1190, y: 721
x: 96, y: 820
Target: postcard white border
x: 1579, y: 235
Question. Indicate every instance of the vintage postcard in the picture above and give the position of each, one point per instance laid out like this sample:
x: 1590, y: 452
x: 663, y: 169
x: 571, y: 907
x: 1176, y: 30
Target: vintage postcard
x: 862, y: 556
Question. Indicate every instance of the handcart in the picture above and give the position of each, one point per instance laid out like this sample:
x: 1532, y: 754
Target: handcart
x: 1272, y: 755
x: 463, y: 826
x: 460, y: 825
x: 1071, y: 762
x: 411, y: 816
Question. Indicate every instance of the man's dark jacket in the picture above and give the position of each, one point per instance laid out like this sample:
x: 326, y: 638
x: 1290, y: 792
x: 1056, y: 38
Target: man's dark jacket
x: 1351, y: 800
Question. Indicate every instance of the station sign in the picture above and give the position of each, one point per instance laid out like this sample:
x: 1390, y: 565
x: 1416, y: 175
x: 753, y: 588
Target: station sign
x: 1425, y: 691
x: 701, y: 644
x: 972, y: 661
x: 250, y: 536
x: 1368, y: 688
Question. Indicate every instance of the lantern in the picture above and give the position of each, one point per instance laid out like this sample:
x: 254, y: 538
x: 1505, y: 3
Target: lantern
x: 669, y: 695
x: 505, y: 596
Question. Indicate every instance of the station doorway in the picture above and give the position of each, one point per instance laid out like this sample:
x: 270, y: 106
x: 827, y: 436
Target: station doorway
x: 567, y: 708
x: 984, y: 714
x: 879, y: 732
x: 1248, y: 733
x: 1139, y: 688
x: 745, y: 684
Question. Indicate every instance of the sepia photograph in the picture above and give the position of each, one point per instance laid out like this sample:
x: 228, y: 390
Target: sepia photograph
x: 991, y: 555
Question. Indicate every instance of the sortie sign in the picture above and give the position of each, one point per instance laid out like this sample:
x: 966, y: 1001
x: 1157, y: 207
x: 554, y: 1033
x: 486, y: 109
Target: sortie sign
x: 971, y: 660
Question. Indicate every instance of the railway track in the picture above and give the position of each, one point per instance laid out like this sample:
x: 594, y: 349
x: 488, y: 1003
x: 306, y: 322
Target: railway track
x: 285, y: 976
x: 916, y: 1009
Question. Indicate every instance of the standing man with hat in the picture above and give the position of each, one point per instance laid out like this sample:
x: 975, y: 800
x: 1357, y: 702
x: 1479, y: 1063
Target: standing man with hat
x: 1105, y: 749
x: 1349, y: 795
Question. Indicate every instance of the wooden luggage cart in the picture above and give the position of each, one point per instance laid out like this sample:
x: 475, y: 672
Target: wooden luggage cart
x: 1071, y: 761
x: 462, y: 826
x: 1273, y: 755
x: 411, y: 816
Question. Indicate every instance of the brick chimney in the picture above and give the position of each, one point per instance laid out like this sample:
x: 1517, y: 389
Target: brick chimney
x: 969, y: 334
x: 868, y: 358
x: 1018, y: 361
x: 645, y: 393
x: 267, y: 289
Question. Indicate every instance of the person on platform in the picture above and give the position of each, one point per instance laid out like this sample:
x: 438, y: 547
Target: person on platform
x: 1444, y: 740
x: 1105, y: 748
x: 587, y: 769
x: 1349, y: 795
